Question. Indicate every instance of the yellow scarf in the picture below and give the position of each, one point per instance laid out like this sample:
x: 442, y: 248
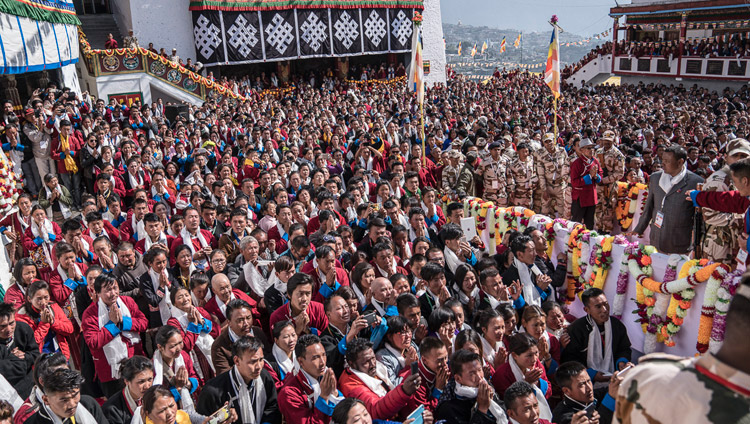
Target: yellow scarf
x: 181, y: 418
x: 70, y: 163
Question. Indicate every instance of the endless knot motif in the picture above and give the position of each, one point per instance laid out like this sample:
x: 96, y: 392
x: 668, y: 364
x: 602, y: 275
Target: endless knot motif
x: 402, y: 27
x: 279, y: 33
x: 347, y: 30
x: 206, y: 36
x: 314, y: 32
x: 375, y: 28
x: 243, y: 37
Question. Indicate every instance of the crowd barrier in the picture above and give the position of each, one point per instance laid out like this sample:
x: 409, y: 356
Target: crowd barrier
x: 668, y: 303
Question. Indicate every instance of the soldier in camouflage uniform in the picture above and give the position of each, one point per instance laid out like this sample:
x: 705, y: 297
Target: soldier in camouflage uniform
x: 613, y: 169
x: 450, y: 173
x: 723, y: 230
x: 482, y: 148
x: 522, y: 178
x: 553, y: 169
x: 493, y: 172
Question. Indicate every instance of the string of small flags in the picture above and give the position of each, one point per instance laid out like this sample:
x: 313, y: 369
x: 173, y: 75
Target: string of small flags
x: 599, y: 36
x: 501, y: 64
x: 690, y: 25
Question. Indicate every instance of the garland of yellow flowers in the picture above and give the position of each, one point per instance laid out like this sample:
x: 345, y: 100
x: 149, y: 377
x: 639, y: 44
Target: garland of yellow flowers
x: 627, y: 194
x: 602, y: 264
x: 574, y: 272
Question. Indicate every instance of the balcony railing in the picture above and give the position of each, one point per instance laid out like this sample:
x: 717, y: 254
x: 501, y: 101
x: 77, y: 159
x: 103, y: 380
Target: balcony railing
x: 724, y: 68
x: 103, y: 62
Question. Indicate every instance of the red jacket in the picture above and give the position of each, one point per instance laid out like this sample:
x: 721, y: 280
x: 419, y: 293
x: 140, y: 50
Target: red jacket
x: 96, y: 337
x: 62, y: 327
x: 295, y: 402
x: 213, y: 308
x: 118, y: 189
x: 15, y: 296
x: 12, y: 223
x: 503, y: 378
x: 140, y: 245
x: 188, y: 338
x: 281, y: 243
x: 75, y: 142
x: 723, y: 201
x: 28, y: 240
x: 584, y: 192
x: 315, y: 312
x: 207, y: 236
x: 58, y: 290
x: 383, y: 408
x: 314, y: 224
x: 113, y: 234
x: 341, y: 277
x: 425, y: 394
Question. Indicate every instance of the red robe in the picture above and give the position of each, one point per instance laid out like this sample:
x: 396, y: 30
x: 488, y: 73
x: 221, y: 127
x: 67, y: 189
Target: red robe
x: 213, y: 308
x: 281, y: 243
x: 210, y: 239
x: 503, y: 378
x: 15, y: 296
x: 96, y: 337
x: 12, y: 223
x: 315, y: 311
x: 59, y: 292
x: 341, y: 277
x: 188, y: 338
x: 295, y: 402
x: 383, y: 408
x: 113, y: 234
x: 314, y: 224
x: 140, y: 245
x: 75, y: 143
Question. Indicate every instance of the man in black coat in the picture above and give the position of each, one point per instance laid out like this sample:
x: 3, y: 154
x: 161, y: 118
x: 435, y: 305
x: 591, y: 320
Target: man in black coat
x: 468, y: 398
x: 578, y: 393
x: 246, y: 385
x: 601, y: 353
x: 63, y: 401
x: 524, y: 255
x: 18, y: 351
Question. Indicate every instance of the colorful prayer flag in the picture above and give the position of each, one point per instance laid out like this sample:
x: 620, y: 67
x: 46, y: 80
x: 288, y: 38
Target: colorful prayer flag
x: 517, y: 43
x: 459, y: 48
x: 416, y: 71
x: 552, y: 71
x: 484, y: 47
x: 502, y: 46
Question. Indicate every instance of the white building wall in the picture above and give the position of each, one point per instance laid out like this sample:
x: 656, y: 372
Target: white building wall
x: 434, y: 48
x: 166, y: 23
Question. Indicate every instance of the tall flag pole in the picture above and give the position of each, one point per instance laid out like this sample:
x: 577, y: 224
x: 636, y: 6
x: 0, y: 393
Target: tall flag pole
x: 416, y: 74
x: 552, y: 70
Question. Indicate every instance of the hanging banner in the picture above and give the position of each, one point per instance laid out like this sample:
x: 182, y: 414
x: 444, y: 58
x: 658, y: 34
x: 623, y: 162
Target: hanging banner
x: 232, y: 37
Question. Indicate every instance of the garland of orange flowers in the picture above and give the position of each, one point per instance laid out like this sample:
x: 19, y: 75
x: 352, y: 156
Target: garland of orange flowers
x: 602, y: 263
x: 627, y: 193
x: 574, y: 271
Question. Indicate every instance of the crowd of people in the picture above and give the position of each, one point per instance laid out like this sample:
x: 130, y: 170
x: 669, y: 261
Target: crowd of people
x: 301, y: 257
x: 726, y: 45
x: 596, y: 52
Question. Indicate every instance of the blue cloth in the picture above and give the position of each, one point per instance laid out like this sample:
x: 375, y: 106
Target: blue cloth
x: 609, y: 402
x: 73, y: 284
x: 127, y: 323
x: 543, y: 385
x: 326, y: 291
x: 112, y: 328
x: 694, y: 198
x: 324, y: 406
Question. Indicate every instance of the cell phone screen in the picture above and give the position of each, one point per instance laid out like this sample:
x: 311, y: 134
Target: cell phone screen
x: 414, y: 368
x: 590, y: 408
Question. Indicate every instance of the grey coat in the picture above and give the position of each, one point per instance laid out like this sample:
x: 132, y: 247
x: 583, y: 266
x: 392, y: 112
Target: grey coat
x: 676, y: 232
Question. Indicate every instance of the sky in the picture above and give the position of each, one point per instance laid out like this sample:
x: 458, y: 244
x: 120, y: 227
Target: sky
x: 581, y: 17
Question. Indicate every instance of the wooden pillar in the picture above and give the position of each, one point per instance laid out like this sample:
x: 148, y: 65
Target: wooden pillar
x: 10, y: 91
x: 681, y: 44
x: 283, y: 71
x: 342, y: 67
x: 43, y: 79
x: 615, y: 26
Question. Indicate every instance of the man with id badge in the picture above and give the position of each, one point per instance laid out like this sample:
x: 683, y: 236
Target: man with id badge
x: 670, y: 215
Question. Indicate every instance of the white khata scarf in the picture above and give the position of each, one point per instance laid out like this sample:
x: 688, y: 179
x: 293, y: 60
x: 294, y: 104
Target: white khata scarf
x: 544, y: 411
x: 275, y: 282
x: 594, y: 358
x: 71, y: 297
x: 223, y: 306
x: 286, y: 363
x: 666, y: 181
x: 82, y: 415
x: 463, y: 297
x: 116, y: 350
x: 135, y: 180
x: 44, y: 233
x: 202, y: 342
x: 254, y: 279
x: 139, y: 228
x: 249, y: 414
x: 360, y: 296
x: 472, y: 393
x: 376, y: 384
x: 148, y: 243
x: 489, y: 351
x: 65, y: 210
x: 186, y: 402
x: 530, y: 293
x: 188, y: 239
x: 451, y: 259
x: 165, y: 303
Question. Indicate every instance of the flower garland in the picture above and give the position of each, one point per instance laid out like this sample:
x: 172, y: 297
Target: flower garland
x: 724, y: 296
x: 574, y: 284
x: 622, y: 280
x: 601, y: 263
x: 627, y: 193
x: 656, y: 307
